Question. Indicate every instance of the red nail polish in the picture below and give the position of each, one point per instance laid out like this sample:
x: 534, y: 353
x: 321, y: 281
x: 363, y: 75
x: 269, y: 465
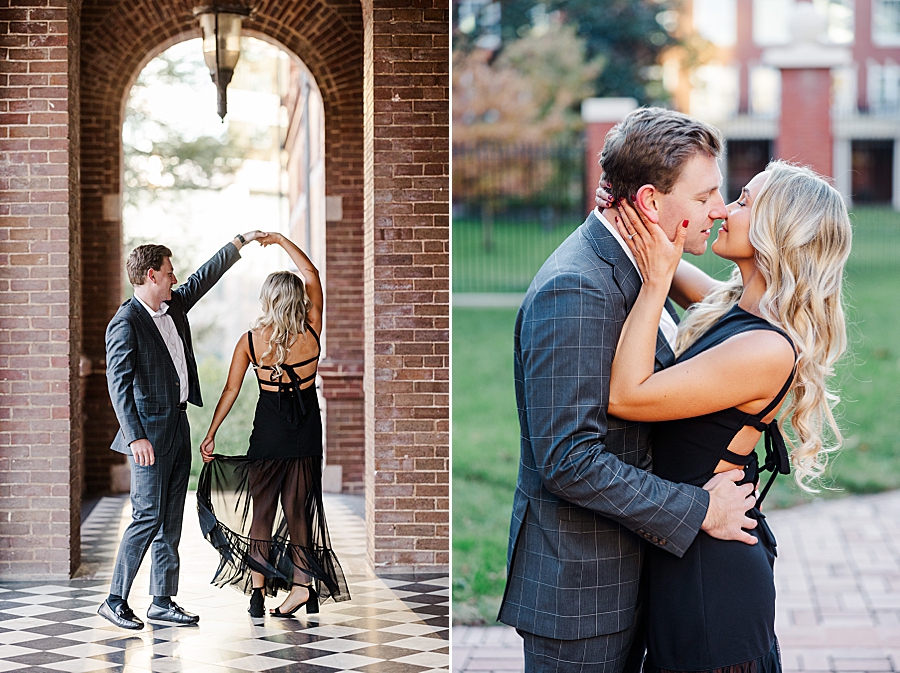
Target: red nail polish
x: 684, y: 223
x: 633, y: 197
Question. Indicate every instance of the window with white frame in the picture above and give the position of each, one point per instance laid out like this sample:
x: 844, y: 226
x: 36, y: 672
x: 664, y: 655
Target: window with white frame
x: 716, y: 21
x: 771, y: 20
x: 843, y: 90
x: 714, y: 92
x: 765, y: 91
x: 883, y: 86
x: 840, y: 18
x: 886, y: 22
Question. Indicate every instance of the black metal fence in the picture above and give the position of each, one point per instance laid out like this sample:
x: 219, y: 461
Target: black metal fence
x: 514, y: 204
x: 510, y: 204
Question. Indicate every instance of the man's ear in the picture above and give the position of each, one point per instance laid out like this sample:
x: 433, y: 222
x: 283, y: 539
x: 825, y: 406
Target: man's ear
x: 150, y: 276
x: 646, y: 202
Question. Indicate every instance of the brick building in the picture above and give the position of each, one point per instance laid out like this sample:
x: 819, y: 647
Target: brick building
x: 382, y: 72
x: 744, y: 88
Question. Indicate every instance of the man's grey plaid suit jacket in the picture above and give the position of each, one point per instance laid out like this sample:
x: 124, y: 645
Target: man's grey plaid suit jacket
x: 585, y: 500
x: 142, y: 379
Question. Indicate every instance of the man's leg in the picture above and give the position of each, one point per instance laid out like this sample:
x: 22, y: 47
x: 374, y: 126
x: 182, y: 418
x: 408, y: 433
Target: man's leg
x: 601, y: 654
x: 147, y: 496
x: 164, y: 550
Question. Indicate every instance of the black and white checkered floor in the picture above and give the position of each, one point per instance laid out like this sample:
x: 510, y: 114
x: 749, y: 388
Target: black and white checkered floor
x: 395, y: 625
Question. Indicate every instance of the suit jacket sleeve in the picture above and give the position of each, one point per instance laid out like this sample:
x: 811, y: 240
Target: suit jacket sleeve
x: 204, y: 278
x: 568, y: 339
x: 121, y: 351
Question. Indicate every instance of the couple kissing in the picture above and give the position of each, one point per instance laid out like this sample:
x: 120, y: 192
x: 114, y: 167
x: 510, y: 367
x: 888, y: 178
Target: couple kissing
x: 637, y: 539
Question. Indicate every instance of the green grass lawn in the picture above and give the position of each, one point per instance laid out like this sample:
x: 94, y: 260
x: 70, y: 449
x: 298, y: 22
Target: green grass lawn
x: 486, y: 433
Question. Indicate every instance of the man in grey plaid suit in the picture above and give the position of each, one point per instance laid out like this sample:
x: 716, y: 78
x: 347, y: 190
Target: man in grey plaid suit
x: 152, y: 375
x: 586, y: 502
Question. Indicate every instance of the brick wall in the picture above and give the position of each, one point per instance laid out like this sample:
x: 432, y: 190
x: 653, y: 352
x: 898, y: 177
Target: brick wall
x: 40, y: 453
x: 407, y: 285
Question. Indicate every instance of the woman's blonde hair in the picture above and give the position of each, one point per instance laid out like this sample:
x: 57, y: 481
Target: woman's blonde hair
x: 285, y: 306
x: 801, y: 232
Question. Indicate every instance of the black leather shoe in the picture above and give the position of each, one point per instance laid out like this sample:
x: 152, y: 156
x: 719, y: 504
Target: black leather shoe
x: 122, y: 616
x: 173, y: 614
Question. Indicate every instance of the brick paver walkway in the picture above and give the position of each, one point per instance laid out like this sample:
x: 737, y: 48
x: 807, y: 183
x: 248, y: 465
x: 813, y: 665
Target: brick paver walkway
x: 838, y: 581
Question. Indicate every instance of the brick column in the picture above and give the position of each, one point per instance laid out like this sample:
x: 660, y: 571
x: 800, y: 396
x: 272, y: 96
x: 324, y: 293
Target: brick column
x: 599, y: 116
x: 804, y: 132
x: 406, y: 110
x: 40, y: 450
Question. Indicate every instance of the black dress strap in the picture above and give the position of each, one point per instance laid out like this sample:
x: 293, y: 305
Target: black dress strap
x: 285, y: 366
x: 737, y: 458
x: 252, y: 352
x: 777, y: 459
x: 309, y: 361
x: 780, y: 396
x: 295, y: 380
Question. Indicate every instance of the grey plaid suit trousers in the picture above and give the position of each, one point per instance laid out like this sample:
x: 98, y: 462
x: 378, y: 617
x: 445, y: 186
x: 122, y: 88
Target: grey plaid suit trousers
x: 158, y: 493
x: 145, y: 392
x: 585, y: 502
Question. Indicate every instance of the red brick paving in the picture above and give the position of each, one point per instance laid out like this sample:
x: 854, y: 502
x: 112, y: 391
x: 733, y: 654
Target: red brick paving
x: 838, y: 581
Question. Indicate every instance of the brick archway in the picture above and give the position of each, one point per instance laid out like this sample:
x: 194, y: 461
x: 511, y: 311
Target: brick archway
x: 383, y: 76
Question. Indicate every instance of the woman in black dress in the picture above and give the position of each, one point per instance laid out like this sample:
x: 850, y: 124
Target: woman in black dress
x: 263, y: 512
x: 772, y: 332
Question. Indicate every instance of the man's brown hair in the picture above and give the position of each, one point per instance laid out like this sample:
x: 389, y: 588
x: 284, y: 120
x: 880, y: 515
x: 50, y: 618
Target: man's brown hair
x: 142, y: 259
x: 651, y: 146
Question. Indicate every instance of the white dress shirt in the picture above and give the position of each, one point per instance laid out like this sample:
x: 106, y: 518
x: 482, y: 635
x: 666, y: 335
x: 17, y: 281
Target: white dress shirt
x: 166, y: 327
x: 666, y: 324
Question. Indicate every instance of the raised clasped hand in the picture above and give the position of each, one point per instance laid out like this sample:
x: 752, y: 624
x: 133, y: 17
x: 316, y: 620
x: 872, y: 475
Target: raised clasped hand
x: 657, y: 257
x: 255, y: 235
x: 270, y: 238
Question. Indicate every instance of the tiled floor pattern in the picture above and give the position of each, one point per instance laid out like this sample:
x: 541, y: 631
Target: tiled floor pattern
x: 393, y: 625
x: 838, y: 582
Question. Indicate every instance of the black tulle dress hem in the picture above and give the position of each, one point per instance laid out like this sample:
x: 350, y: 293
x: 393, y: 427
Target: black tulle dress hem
x: 225, y: 507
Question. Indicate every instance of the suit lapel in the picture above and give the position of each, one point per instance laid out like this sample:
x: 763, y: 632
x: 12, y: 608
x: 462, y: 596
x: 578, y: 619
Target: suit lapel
x: 145, y: 319
x: 628, y: 279
x: 670, y: 309
x: 664, y: 355
x: 607, y: 248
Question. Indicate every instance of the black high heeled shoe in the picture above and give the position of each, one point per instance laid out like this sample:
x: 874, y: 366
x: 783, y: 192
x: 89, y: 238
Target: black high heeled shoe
x: 311, y: 603
x: 257, y: 607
